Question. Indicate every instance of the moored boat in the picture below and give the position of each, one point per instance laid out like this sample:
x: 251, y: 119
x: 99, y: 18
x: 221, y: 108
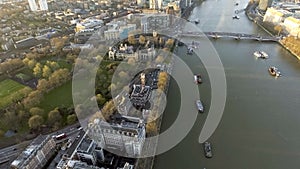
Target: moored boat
x: 197, y: 79
x: 261, y: 54
x: 274, y: 71
x: 199, y: 106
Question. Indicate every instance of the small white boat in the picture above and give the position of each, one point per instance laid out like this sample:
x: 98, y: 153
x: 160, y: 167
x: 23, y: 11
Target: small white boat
x: 199, y: 106
x: 261, y: 54
x: 264, y: 55
x: 235, y: 17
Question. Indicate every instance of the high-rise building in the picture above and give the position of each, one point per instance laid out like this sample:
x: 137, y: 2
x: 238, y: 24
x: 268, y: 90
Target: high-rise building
x: 43, y: 5
x: 33, y: 6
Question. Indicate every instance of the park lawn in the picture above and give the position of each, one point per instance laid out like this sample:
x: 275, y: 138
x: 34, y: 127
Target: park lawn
x: 8, y: 88
x: 59, y: 97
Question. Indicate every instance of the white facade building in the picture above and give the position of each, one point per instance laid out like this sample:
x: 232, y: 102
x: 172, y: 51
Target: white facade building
x: 33, y: 6
x: 43, y: 5
x: 126, y: 137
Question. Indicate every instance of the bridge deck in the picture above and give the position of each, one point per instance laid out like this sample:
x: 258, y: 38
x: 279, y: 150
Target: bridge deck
x: 237, y: 36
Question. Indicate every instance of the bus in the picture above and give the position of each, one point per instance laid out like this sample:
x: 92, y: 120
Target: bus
x: 60, y: 136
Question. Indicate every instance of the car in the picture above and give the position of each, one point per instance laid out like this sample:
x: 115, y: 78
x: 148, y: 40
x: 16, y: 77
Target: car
x: 207, y: 149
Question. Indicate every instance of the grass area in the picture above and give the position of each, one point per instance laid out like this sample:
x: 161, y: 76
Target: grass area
x: 61, y: 96
x: 8, y: 88
x: 64, y: 64
x: 23, y: 76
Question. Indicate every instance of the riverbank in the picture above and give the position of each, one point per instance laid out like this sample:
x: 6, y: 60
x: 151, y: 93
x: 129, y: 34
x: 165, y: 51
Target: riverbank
x: 289, y: 43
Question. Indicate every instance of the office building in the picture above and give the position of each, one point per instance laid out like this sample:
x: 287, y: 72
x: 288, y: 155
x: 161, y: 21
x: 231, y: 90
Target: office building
x: 36, y: 155
x: 33, y: 6
x: 123, y: 137
x: 43, y: 5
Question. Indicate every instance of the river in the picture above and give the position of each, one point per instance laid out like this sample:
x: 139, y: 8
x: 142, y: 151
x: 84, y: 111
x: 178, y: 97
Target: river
x: 260, y: 125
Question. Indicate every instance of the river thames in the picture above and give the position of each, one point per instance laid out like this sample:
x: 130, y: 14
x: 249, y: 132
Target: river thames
x: 260, y: 125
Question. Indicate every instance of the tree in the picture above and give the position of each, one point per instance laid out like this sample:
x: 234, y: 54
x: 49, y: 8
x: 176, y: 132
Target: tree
x: 37, y: 70
x: 131, y: 40
x: 53, y: 65
x: 36, y: 111
x: 159, y: 59
x: 35, y: 122
x: 123, y: 74
x: 170, y: 43
x: 100, y: 99
x: 142, y: 40
x: 46, y: 71
x: 161, y: 42
x: 151, y: 126
x: 54, y: 116
x: 26, y: 60
x: 72, y: 118
x: 278, y: 28
x: 43, y: 85
x: 108, y: 109
x: 31, y: 63
x: 32, y: 99
x: 131, y: 61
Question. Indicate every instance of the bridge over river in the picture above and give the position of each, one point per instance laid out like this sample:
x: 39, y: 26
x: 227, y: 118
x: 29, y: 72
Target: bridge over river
x: 236, y: 36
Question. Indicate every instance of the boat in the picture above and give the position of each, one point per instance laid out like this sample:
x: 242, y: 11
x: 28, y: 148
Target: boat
x: 190, y: 50
x: 207, y: 149
x: 197, y: 79
x: 264, y: 55
x: 261, y: 54
x: 274, y: 71
x: 199, y: 106
x: 235, y: 17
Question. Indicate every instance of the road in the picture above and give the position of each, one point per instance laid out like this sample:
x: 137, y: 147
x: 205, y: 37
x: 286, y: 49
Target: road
x: 8, y: 154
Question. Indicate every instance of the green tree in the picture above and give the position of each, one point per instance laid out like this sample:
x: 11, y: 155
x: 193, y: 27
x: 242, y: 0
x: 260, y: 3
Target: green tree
x: 54, y: 116
x: 100, y: 99
x: 131, y: 40
x: 31, y: 63
x: 142, y: 40
x: 71, y: 119
x: 35, y: 122
x: 36, y: 111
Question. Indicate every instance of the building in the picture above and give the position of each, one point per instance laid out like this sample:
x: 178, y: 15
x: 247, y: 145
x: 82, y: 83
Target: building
x: 140, y: 2
x: 264, y: 4
x: 43, y: 5
x: 88, y: 152
x: 292, y: 26
x: 36, y: 155
x: 33, y: 6
x: 89, y: 24
x: 125, y: 136
x: 274, y: 16
x: 155, y: 4
x: 155, y: 22
x: 118, y: 30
